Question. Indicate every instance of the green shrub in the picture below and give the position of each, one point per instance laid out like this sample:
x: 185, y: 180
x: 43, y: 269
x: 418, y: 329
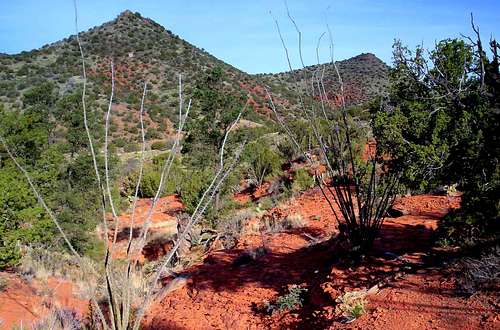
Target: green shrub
x: 446, y: 133
x: 133, y: 130
x: 150, y: 183
x: 120, y: 142
x: 151, y: 179
x: 290, y: 301
x: 303, y: 133
x: 262, y: 162
x: 158, y: 145
x: 113, y: 128
x: 132, y: 147
x: 42, y: 94
x: 287, y: 149
x: 265, y: 203
x: 302, y: 180
x: 478, y: 218
x: 152, y: 133
x: 193, y: 186
x: 23, y: 71
x: 21, y: 218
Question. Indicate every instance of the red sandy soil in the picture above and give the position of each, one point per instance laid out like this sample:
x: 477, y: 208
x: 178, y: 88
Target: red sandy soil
x: 369, y: 150
x: 414, y: 292
x: 164, y: 211
x: 25, y: 302
x: 258, y: 100
x: 252, y: 194
x: 162, y: 220
x: 428, y: 301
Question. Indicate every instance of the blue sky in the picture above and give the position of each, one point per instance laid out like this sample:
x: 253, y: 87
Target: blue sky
x: 242, y: 33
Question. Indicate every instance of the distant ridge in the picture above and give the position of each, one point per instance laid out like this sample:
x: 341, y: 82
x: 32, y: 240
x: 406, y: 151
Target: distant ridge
x: 365, y: 77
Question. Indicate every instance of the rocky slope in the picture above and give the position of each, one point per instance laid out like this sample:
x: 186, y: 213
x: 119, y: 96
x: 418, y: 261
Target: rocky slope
x: 364, y: 77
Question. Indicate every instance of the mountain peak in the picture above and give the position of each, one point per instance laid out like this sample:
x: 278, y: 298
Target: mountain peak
x: 128, y: 14
x: 131, y: 18
x: 125, y: 13
x: 366, y: 57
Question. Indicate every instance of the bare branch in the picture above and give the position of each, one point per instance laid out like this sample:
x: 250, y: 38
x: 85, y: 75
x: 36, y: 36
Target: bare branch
x: 479, y: 45
x: 195, y: 217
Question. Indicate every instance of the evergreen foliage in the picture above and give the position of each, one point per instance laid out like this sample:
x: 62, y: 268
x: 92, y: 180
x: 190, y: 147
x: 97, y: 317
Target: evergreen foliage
x: 440, y: 126
x: 61, y: 169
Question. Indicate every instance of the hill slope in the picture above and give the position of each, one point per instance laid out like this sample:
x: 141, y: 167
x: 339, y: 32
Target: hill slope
x: 143, y: 50
x: 364, y: 76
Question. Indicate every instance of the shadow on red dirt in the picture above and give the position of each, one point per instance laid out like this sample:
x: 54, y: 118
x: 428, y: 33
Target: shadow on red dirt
x: 225, y: 291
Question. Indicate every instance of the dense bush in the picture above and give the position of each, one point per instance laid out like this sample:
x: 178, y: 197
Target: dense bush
x: 65, y: 180
x: 119, y: 142
x: 262, y: 162
x: 215, y: 111
x: 158, y: 145
x: 193, y: 186
x: 43, y: 94
x: 152, y: 133
x: 441, y: 126
x: 151, y: 179
x: 302, y: 180
x: 22, y: 220
x: 132, y: 147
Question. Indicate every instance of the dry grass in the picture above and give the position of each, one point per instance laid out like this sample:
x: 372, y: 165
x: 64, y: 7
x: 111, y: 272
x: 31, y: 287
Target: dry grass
x: 237, y: 224
x: 293, y: 221
x: 352, y: 304
x: 59, y: 319
x: 275, y: 225
x: 38, y: 263
x: 481, y: 273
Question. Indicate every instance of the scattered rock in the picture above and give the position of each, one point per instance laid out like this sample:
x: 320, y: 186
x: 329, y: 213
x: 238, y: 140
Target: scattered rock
x: 177, y: 283
x: 396, y: 213
x: 249, y: 256
x: 373, y: 290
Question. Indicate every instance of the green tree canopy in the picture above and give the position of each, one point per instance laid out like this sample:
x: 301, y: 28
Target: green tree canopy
x: 440, y: 125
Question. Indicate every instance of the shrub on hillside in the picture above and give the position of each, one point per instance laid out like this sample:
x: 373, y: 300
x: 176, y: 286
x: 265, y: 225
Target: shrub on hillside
x: 152, y: 133
x: 151, y: 181
x: 302, y: 180
x: 262, y: 162
x: 132, y: 147
x: 290, y: 301
x: 445, y: 131
x: 44, y: 94
x: 158, y: 145
x: 265, y: 203
x: 119, y: 142
x: 193, y: 186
